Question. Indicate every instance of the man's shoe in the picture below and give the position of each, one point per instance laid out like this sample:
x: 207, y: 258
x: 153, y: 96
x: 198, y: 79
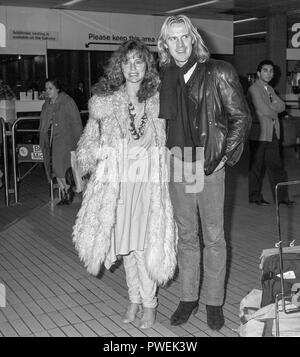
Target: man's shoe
x: 215, y: 317
x: 261, y: 202
x: 287, y: 202
x: 184, y: 311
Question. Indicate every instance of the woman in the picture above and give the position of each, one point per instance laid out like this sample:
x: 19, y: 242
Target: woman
x: 60, y: 130
x: 124, y: 211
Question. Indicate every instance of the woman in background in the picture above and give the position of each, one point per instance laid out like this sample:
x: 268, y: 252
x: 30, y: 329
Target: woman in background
x: 60, y: 130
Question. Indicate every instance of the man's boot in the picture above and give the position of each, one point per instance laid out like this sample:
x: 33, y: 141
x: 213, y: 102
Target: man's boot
x: 215, y: 317
x: 183, y: 312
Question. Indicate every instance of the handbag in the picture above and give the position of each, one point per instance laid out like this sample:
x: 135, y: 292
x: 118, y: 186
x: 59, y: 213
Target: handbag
x: 257, y: 321
x: 79, y: 182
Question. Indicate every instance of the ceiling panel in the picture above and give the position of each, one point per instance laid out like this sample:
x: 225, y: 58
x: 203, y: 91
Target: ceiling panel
x: 237, y: 8
x: 222, y: 9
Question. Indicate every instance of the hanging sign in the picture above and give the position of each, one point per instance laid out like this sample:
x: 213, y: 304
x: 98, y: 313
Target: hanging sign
x: 33, y: 35
x: 295, y: 35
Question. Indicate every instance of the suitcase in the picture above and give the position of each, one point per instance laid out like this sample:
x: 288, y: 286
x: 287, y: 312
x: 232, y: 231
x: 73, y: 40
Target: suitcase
x: 272, y: 283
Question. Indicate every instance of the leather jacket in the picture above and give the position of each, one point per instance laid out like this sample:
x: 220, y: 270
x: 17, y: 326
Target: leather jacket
x: 219, y: 111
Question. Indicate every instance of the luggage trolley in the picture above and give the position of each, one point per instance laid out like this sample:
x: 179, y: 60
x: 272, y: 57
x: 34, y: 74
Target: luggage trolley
x: 294, y: 295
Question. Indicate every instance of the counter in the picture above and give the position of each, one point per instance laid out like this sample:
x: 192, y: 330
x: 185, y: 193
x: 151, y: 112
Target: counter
x: 23, y: 106
x: 294, y: 112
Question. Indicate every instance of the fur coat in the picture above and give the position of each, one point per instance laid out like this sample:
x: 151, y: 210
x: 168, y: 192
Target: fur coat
x: 98, y: 154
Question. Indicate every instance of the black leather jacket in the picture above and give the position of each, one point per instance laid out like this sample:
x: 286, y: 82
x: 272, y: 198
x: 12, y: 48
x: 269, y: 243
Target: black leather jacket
x: 219, y: 112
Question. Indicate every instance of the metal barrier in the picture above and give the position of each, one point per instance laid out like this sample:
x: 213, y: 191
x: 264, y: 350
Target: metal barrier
x: 4, y: 134
x: 26, y: 152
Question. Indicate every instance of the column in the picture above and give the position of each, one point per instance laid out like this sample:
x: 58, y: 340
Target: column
x: 276, y: 46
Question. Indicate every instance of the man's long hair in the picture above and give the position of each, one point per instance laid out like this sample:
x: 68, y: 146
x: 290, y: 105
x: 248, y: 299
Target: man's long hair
x: 199, y: 48
x: 113, y: 78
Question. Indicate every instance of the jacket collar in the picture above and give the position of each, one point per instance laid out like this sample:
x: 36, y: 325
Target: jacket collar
x: 262, y: 84
x: 58, y: 99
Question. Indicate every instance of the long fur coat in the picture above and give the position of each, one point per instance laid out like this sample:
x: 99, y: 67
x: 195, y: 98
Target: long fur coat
x: 99, y: 154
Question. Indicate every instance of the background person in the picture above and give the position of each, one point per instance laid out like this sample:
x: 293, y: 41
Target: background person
x: 6, y: 93
x: 264, y: 137
x: 80, y: 96
x: 204, y: 105
x: 60, y: 129
x: 128, y: 216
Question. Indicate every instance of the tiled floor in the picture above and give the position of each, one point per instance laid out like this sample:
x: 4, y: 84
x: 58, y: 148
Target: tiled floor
x: 49, y: 293
x: 34, y: 191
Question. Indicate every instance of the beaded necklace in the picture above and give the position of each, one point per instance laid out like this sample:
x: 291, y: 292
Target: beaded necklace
x: 136, y: 132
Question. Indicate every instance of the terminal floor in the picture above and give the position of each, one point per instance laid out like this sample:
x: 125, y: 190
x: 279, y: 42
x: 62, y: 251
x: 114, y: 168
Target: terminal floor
x: 49, y: 293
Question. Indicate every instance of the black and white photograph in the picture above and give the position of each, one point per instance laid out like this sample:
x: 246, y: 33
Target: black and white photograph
x: 149, y: 172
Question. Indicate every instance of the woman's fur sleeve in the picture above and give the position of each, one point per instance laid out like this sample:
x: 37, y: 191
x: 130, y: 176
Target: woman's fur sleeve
x: 91, y: 141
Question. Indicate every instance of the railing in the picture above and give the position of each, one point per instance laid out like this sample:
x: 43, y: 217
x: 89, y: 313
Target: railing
x: 16, y: 160
x: 25, y: 153
x: 4, y: 134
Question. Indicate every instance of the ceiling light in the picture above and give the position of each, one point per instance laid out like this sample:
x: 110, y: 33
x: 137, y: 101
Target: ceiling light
x: 192, y: 6
x: 251, y: 34
x: 69, y: 3
x: 245, y: 20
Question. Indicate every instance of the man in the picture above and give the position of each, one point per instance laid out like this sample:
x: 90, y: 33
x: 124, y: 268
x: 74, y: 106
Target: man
x: 264, y: 137
x: 204, y: 105
x: 80, y: 97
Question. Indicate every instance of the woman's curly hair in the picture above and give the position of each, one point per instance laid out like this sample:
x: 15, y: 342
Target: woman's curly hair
x: 113, y: 77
